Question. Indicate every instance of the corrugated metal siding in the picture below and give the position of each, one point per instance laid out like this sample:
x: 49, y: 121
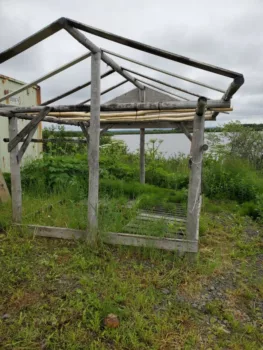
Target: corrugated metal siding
x: 29, y: 97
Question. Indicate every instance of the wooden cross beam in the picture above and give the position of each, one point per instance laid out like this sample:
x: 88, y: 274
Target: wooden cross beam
x: 32, y: 125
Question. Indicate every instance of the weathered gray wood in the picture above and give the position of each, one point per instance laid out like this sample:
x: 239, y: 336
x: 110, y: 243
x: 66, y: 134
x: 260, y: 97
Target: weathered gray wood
x: 53, y: 120
x: 152, y: 50
x: 28, y: 128
x: 81, y: 38
x: 194, y: 192
x: 46, y: 76
x: 107, y: 90
x: 94, y: 144
x: 186, y: 131
x: 30, y: 136
x: 4, y: 192
x: 142, y: 156
x: 142, y: 144
x: 16, y: 189
x: 85, y: 130
x: 58, y: 140
x: 136, y: 106
x: 104, y: 130
x: 155, y: 87
x: 69, y: 92
x: 232, y: 89
x: 128, y: 239
x: 160, y: 82
x: 163, y: 71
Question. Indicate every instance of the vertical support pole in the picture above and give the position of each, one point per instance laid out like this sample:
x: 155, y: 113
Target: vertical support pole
x: 194, y: 192
x: 16, y: 190
x: 94, y: 143
x: 142, y: 144
x: 142, y: 156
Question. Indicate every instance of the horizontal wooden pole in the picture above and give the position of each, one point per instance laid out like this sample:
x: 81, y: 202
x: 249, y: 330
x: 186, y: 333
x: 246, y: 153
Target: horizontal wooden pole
x: 134, y: 106
x: 171, y: 244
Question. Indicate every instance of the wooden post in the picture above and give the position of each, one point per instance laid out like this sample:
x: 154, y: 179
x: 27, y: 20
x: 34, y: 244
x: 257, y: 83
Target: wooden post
x: 94, y: 143
x: 142, y: 143
x: 194, y: 192
x: 142, y: 156
x: 16, y: 190
x: 4, y: 192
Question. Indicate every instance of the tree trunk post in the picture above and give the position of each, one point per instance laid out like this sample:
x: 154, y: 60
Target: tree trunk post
x: 16, y: 190
x: 142, y: 143
x: 194, y: 192
x: 94, y: 143
x: 142, y: 156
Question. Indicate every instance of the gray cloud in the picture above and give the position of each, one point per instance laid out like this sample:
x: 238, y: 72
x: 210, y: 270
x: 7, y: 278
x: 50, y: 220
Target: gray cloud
x: 226, y: 34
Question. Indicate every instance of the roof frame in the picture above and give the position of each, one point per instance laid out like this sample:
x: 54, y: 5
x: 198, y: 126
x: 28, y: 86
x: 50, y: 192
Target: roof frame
x: 74, y: 27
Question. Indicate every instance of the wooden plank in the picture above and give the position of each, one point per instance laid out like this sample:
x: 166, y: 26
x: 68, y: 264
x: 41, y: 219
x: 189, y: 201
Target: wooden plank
x: 194, y: 192
x: 4, y: 192
x: 30, y: 136
x: 28, y: 128
x: 16, y: 189
x: 94, y: 144
x: 115, y: 238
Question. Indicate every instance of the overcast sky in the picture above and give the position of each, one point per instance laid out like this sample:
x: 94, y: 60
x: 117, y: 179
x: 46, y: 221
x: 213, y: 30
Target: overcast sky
x: 228, y: 34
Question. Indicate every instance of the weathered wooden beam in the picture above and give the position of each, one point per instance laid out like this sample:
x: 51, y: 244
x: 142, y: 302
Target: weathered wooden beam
x: 32, y: 40
x: 161, y: 89
x: 160, y: 82
x: 57, y: 140
x: 28, y: 128
x: 170, y: 244
x: 133, y: 106
x: 105, y: 58
x: 4, y: 192
x: 232, y: 89
x: 94, y: 144
x: 46, y: 76
x: 30, y: 135
x: 142, y: 156
x: 153, y: 50
x: 104, y: 130
x: 85, y: 130
x: 163, y: 71
x: 16, y: 190
x: 107, y: 90
x: 186, y: 131
x: 69, y: 92
x: 142, y: 145
x: 194, y: 191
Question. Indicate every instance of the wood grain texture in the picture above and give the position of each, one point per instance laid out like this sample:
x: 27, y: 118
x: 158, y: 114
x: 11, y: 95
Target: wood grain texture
x: 16, y: 189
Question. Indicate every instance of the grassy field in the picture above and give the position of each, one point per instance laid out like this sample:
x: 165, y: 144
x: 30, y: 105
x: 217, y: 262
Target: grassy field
x: 55, y: 294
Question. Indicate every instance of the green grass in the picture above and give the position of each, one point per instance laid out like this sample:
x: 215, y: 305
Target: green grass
x: 56, y: 293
